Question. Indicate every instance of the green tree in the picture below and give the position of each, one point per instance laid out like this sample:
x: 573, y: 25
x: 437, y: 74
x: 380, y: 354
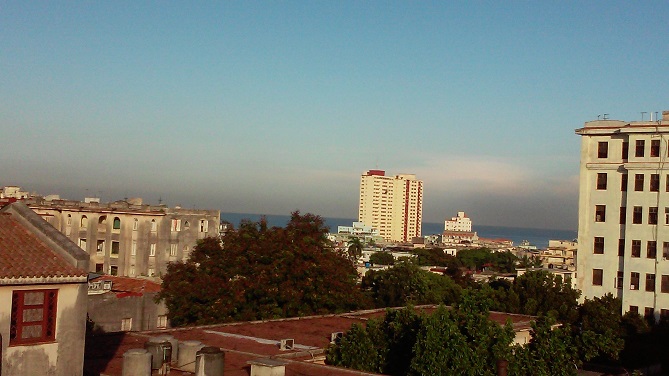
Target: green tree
x: 529, y: 262
x: 598, y: 330
x: 258, y: 272
x: 382, y: 258
x: 405, y: 283
x: 355, y: 248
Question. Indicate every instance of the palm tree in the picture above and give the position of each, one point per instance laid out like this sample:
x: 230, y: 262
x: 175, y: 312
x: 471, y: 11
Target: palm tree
x: 354, y: 248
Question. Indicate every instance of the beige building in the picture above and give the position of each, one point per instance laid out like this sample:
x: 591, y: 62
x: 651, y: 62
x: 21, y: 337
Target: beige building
x: 391, y: 204
x: 42, y: 297
x: 623, y: 235
x: 128, y: 238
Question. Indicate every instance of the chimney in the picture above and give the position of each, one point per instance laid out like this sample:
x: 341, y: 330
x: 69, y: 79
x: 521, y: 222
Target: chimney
x: 665, y: 115
x: 267, y: 367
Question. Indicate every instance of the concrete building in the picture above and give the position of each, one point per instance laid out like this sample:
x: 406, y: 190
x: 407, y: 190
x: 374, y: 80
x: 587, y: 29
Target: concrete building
x: 42, y: 297
x: 623, y: 238
x: 128, y: 238
x: 391, y: 204
x: 125, y: 304
x: 459, y: 223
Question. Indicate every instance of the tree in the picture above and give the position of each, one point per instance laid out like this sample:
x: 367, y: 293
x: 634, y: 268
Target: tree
x: 528, y: 262
x: 405, y: 283
x: 355, y: 247
x: 598, y: 330
x: 382, y: 258
x: 256, y: 272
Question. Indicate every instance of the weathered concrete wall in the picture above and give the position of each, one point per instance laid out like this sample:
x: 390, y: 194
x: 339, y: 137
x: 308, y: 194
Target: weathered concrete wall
x: 65, y: 356
x: 107, y: 311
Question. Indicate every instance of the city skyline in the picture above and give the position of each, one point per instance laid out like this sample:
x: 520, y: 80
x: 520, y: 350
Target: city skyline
x: 267, y: 108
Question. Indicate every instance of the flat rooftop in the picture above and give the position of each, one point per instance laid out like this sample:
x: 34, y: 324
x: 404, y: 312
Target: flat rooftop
x: 248, y: 341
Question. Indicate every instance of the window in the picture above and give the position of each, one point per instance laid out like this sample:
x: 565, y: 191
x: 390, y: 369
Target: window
x: 600, y: 213
x: 648, y: 313
x: 204, y: 225
x: 33, y: 316
x: 84, y: 220
x: 187, y: 225
x: 651, y: 249
x: 623, y: 215
x: 154, y: 226
x: 133, y: 250
x: 152, y: 249
x: 666, y: 216
x: 132, y: 270
x: 173, y: 249
x: 621, y: 247
x: 116, y: 225
x: 602, y: 149
x: 102, y: 221
x: 626, y: 150
x: 623, y: 183
x: 650, y: 282
x: 82, y: 244
x: 665, y: 250
x: 69, y: 219
x: 655, y: 148
x: 601, y: 180
x: 176, y: 225
x: 162, y: 322
x: 113, y: 270
x: 115, y: 249
x: 636, y: 248
x: 99, y: 268
x: 126, y: 324
x: 637, y: 215
x: 135, y: 224
x: 597, y: 277
x: 634, y: 309
x: 599, y: 245
x: 151, y: 272
x: 638, y: 182
x: 619, y: 280
x: 640, y: 148
x: 654, y: 182
x: 101, y: 246
x: 664, y: 315
x: 652, y: 215
x: 185, y: 254
x: 664, y: 284
x: 634, y: 281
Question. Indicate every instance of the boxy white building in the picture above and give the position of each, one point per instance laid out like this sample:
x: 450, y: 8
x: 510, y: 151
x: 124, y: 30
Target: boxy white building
x: 623, y: 236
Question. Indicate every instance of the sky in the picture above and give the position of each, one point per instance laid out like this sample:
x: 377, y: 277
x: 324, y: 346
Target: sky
x: 276, y: 106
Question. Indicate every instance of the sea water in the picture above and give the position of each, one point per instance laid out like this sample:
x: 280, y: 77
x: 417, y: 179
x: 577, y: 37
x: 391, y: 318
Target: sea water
x: 537, y: 237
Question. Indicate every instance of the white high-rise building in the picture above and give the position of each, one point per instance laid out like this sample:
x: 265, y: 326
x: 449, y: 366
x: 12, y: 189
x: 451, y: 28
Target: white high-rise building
x: 391, y: 204
x: 623, y: 232
x: 459, y: 223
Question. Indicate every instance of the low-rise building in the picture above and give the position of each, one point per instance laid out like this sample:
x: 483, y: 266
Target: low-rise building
x: 43, y: 297
x: 128, y: 238
x: 125, y: 304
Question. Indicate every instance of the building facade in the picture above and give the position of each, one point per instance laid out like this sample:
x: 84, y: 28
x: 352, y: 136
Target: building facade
x: 459, y: 223
x: 43, y: 286
x: 623, y: 235
x: 391, y: 204
x: 128, y: 238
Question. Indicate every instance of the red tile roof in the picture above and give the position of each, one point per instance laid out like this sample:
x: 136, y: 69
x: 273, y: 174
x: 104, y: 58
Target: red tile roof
x: 137, y: 286
x: 24, y: 255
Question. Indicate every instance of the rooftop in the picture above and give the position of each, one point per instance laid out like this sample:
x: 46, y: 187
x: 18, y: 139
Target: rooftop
x: 25, y: 255
x: 249, y: 341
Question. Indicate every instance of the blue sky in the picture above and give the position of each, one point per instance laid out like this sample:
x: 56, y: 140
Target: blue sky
x: 268, y: 107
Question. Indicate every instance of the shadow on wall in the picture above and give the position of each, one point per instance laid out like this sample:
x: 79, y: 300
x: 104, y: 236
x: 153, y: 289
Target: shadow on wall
x: 101, y: 348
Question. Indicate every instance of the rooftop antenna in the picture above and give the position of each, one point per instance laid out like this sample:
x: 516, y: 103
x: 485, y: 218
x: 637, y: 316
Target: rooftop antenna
x: 599, y: 117
x: 606, y: 116
x: 160, y: 200
x: 656, y: 116
x: 643, y: 113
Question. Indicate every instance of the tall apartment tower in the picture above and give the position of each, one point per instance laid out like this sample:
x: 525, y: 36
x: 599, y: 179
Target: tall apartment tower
x: 391, y: 204
x: 623, y: 241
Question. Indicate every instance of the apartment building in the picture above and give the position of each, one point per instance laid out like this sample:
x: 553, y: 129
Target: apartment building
x: 128, y: 238
x: 623, y: 235
x: 459, y: 223
x: 391, y: 204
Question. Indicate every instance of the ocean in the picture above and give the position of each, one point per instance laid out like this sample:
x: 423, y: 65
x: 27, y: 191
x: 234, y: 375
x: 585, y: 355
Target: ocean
x: 537, y: 237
